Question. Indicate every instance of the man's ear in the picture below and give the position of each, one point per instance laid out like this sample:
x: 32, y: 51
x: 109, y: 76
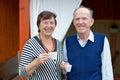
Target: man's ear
x: 92, y: 22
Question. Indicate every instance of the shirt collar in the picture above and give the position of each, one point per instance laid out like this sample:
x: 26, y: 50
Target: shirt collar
x: 90, y: 37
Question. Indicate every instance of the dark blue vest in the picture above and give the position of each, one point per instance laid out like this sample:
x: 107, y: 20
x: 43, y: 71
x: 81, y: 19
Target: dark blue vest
x: 86, y: 61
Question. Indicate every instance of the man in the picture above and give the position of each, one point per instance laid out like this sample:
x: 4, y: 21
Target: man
x: 88, y: 52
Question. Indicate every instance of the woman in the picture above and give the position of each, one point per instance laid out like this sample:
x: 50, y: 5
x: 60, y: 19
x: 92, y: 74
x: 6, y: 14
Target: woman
x: 35, y: 62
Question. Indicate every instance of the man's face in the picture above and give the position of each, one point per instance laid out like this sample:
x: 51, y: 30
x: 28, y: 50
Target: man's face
x: 82, y: 20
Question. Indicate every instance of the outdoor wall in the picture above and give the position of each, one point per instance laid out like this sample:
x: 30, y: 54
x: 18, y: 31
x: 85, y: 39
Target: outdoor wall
x: 9, y: 29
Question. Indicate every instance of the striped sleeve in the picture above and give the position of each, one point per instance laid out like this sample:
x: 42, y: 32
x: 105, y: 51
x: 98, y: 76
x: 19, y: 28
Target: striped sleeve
x: 25, y: 59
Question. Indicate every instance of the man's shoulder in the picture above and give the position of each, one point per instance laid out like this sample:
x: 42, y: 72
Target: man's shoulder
x: 99, y: 34
x: 71, y: 35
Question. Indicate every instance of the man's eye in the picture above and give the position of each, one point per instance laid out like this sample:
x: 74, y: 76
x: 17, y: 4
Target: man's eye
x: 76, y: 19
x: 84, y: 18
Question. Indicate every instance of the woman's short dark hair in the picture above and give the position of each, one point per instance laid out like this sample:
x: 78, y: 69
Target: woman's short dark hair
x: 45, y: 15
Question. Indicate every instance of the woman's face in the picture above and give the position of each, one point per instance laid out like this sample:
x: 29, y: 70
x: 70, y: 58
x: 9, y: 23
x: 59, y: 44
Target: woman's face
x: 47, y: 26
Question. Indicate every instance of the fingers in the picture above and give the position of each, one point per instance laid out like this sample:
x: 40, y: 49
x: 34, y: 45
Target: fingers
x: 44, y: 57
x: 62, y: 65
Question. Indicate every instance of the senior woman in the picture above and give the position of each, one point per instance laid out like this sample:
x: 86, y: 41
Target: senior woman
x: 35, y: 62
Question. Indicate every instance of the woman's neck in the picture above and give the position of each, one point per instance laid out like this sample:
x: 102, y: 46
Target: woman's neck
x: 45, y: 38
x: 47, y: 42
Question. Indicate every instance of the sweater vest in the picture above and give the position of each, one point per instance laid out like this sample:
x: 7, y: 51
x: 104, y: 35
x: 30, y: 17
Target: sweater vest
x: 85, y: 61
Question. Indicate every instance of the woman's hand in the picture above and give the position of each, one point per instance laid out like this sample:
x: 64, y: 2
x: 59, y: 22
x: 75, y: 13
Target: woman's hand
x: 30, y: 68
x: 43, y: 58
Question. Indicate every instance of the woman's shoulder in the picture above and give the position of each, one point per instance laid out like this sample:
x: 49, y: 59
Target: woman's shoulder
x: 31, y: 40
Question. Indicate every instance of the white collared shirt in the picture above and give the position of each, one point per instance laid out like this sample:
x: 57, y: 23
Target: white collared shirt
x: 106, y: 69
